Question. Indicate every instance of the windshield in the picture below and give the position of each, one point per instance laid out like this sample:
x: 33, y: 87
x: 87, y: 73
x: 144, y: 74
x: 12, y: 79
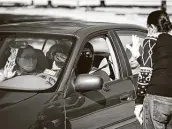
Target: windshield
x: 32, y: 62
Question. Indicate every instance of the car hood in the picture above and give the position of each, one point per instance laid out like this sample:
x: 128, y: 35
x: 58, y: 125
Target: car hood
x: 28, y: 110
x: 8, y: 98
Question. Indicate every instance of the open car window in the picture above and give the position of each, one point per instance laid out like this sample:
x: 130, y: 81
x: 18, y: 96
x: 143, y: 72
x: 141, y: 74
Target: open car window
x: 126, y: 39
x: 98, y: 58
x: 33, y: 62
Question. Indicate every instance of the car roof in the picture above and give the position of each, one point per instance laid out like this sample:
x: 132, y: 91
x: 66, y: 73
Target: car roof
x: 69, y: 27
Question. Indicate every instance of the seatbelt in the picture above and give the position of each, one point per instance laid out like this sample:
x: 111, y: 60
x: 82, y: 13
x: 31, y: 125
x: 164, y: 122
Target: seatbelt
x: 112, y: 76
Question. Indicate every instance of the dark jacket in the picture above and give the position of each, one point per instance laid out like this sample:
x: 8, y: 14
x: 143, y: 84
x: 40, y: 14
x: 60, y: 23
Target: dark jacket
x: 155, y: 76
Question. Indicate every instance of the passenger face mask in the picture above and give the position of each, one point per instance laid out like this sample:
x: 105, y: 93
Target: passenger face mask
x: 60, y: 59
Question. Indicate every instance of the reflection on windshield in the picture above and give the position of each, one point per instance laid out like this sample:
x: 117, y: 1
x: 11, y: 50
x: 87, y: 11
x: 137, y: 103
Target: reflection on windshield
x: 29, y: 60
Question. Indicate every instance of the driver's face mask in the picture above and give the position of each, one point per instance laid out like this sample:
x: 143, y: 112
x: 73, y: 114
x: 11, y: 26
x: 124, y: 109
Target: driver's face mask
x: 85, y: 61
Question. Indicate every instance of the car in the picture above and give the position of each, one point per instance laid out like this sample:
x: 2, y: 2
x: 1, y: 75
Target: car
x: 67, y: 74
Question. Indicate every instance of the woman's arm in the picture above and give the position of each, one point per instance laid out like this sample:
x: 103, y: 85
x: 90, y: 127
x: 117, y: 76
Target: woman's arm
x: 145, y: 68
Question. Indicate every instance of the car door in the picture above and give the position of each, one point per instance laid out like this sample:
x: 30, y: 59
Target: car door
x: 113, y: 105
x: 125, y: 36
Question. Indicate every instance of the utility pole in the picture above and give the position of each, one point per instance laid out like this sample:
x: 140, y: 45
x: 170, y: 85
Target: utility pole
x: 32, y: 2
x: 164, y: 5
x: 102, y: 3
x: 50, y: 3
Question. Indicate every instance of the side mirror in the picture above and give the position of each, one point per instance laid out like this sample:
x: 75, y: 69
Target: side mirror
x: 87, y: 82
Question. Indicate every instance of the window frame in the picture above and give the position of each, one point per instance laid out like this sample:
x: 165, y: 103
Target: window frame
x: 44, y: 36
x: 100, y: 34
x: 130, y: 32
x: 112, y: 54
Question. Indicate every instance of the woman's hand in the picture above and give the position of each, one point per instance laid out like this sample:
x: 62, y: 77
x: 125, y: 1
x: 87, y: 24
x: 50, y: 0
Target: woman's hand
x: 134, y: 48
x: 9, y: 74
x: 139, y: 113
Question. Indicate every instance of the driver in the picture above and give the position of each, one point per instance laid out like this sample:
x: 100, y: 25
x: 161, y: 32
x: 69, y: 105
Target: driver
x: 85, y: 63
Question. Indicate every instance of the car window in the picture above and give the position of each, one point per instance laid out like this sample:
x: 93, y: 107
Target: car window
x: 126, y: 38
x: 48, y: 44
x: 32, y: 63
x: 103, y: 60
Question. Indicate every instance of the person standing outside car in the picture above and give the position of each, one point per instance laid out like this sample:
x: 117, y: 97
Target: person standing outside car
x: 154, y: 92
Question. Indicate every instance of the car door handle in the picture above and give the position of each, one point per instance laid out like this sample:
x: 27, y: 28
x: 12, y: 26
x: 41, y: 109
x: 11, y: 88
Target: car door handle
x: 126, y: 97
x: 76, y: 103
x: 106, y: 88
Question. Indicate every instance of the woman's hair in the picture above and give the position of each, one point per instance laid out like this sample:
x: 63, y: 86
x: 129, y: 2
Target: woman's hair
x: 63, y: 47
x: 89, y: 46
x: 21, y: 50
x: 161, y: 20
